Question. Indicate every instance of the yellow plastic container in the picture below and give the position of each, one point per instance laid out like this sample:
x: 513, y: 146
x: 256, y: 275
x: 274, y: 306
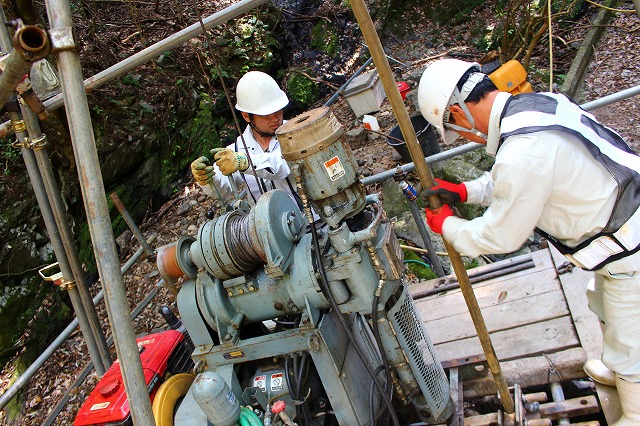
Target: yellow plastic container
x: 511, y: 77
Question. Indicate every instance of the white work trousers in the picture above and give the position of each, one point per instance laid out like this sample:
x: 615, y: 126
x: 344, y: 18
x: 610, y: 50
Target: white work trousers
x: 614, y: 297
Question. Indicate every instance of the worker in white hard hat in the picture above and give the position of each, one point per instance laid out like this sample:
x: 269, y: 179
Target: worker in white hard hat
x: 261, y: 166
x: 559, y: 172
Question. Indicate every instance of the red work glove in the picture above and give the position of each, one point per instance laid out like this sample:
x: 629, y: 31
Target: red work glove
x: 435, y: 218
x: 449, y: 193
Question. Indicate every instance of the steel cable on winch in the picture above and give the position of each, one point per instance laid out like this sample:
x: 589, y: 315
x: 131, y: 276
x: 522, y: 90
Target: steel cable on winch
x: 242, y: 243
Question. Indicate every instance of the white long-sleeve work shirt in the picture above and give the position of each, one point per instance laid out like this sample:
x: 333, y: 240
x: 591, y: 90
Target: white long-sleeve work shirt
x: 270, y: 168
x: 546, y: 180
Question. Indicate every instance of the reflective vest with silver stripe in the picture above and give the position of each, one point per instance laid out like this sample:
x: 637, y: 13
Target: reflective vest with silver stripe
x: 537, y: 112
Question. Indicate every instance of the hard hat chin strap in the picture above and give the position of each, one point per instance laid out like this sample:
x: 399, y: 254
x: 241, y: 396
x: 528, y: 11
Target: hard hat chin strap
x: 458, y: 99
x: 258, y: 131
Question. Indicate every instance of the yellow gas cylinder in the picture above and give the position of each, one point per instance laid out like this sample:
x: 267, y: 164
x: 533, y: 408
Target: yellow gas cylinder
x: 511, y: 77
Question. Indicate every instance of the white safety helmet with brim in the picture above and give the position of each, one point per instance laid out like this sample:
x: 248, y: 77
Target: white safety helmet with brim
x: 438, y: 90
x: 258, y: 93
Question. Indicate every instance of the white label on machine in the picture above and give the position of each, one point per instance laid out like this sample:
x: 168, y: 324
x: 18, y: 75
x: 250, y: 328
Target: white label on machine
x: 276, y: 381
x: 99, y: 406
x: 260, y: 382
x: 334, y: 168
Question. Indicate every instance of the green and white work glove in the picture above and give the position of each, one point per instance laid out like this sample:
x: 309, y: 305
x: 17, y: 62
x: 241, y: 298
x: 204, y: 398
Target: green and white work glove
x: 229, y: 161
x: 202, y: 170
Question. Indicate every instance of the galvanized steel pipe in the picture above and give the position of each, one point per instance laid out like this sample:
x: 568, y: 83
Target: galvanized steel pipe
x: 613, y: 98
x: 132, y: 224
x: 93, y: 193
x: 62, y: 337
x: 160, y: 47
x: 69, y: 256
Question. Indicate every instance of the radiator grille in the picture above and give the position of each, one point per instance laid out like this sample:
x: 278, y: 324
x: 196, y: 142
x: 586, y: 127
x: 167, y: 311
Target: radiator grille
x: 425, y: 364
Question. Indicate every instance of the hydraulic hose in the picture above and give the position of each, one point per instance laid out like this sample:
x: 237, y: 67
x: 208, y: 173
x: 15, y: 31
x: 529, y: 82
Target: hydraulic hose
x: 324, y: 281
x: 249, y: 418
x: 327, y: 289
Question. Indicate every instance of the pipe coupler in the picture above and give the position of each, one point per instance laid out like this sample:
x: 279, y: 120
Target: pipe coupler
x: 31, y: 42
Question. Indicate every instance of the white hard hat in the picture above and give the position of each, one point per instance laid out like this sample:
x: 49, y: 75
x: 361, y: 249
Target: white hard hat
x: 436, y: 90
x: 258, y: 93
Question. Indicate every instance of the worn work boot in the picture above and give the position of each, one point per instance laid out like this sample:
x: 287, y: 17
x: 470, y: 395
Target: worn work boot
x: 599, y: 372
x: 629, y: 394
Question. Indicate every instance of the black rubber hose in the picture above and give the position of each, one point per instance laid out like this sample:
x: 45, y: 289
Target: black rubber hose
x: 325, y: 284
x: 376, y: 336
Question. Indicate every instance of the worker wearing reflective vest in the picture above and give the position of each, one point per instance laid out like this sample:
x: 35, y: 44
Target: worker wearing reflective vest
x: 261, y: 102
x: 556, y: 170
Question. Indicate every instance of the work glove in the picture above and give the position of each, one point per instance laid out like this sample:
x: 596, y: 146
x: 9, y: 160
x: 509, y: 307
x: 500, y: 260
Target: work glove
x: 229, y: 161
x: 449, y: 193
x: 202, y: 171
x: 436, y: 217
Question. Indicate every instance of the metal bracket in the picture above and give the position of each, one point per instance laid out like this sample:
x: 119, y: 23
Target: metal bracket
x: 57, y: 277
x: 18, y: 126
x: 39, y: 143
x: 26, y: 143
x: 62, y: 39
x: 565, y: 267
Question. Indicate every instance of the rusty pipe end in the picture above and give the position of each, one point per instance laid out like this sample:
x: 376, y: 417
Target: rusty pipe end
x: 32, y: 42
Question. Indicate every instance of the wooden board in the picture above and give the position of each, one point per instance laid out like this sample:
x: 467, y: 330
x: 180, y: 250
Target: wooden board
x: 526, y: 313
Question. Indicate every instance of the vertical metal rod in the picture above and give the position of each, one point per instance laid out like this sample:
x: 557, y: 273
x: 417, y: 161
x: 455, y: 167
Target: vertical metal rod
x: 39, y: 188
x: 558, y: 396
x: 71, y: 257
x: 58, y: 248
x: 46, y: 354
x: 390, y: 87
x: 422, y: 228
x: 132, y: 224
x: 95, y: 201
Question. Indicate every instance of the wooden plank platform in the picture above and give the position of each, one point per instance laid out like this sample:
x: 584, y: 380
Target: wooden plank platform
x: 528, y: 317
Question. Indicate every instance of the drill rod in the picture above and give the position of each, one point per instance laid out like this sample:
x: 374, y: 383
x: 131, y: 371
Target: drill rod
x: 400, y: 112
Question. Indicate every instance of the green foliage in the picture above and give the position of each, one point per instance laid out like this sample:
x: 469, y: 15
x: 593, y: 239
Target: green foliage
x: 131, y: 80
x: 471, y: 263
x: 302, y: 91
x: 324, y: 38
x: 246, y: 45
x: 420, y: 271
x: 10, y: 156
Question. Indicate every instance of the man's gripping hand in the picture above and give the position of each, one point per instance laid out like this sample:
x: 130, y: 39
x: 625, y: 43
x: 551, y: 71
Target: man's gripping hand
x: 229, y: 161
x: 449, y: 193
x: 435, y: 218
x: 202, y: 171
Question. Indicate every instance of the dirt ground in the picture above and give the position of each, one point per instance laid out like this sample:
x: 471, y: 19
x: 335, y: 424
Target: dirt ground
x: 615, y: 67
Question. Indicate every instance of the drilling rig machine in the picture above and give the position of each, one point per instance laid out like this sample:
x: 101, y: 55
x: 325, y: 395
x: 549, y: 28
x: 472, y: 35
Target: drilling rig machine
x: 347, y: 335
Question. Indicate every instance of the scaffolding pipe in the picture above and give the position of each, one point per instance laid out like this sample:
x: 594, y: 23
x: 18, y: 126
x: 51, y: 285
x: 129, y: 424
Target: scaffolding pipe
x: 558, y: 396
x: 132, y: 224
x: 62, y: 337
x: 613, y: 98
x: 95, y: 202
x: 42, y: 198
x: 159, y: 48
x: 71, y: 258
x: 432, y: 159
